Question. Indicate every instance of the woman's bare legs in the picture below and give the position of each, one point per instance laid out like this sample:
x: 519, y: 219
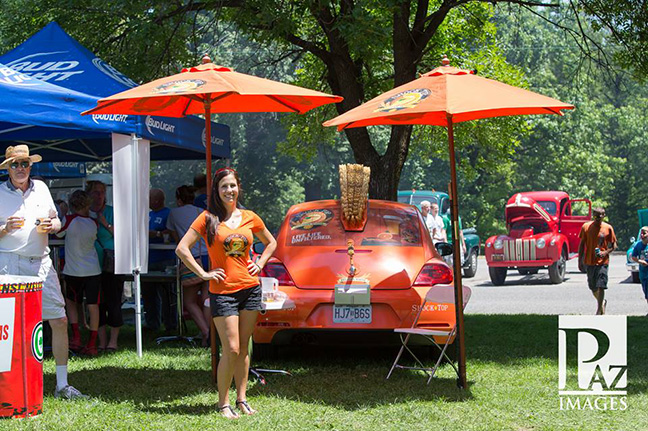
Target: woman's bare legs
x: 247, y: 321
x: 228, y: 332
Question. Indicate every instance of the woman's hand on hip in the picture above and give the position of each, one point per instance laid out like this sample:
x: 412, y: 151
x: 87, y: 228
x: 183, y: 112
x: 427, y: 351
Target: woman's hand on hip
x: 253, y: 268
x: 217, y: 274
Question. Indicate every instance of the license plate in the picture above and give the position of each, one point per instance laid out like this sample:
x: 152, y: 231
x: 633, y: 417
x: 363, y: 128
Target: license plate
x: 499, y: 257
x: 352, y: 314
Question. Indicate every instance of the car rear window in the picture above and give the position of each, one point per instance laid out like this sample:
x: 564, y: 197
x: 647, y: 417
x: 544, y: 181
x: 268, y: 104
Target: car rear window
x: 385, y: 226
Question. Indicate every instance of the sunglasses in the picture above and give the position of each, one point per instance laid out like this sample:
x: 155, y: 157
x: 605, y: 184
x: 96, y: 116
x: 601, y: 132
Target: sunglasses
x: 24, y: 165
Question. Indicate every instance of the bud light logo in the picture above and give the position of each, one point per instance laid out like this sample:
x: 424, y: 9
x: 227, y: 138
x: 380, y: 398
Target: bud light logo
x: 119, y: 118
x: 37, y: 342
x: 13, y: 77
x: 152, y: 123
x: 56, y: 66
x: 214, y: 140
x: 46, y: 68
x: 112, y: 72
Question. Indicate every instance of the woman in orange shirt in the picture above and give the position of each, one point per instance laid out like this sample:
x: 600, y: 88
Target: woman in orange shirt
x: 234, y: 291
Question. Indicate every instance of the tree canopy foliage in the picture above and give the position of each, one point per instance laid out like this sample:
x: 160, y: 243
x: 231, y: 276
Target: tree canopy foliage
x: 360, y: 49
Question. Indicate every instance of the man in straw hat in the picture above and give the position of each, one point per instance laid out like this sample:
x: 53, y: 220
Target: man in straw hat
x: 27, y: 216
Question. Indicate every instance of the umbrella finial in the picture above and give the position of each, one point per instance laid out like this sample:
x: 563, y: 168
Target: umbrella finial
x: 445, y: 61
x: 206, y: 59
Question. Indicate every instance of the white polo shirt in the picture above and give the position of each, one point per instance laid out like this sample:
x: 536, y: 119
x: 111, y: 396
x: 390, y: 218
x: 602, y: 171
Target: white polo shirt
x: 35, y: 203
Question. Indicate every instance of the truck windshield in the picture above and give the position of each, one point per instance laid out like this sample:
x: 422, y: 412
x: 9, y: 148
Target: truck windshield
x: 549, y: 206
x: 417, y: 199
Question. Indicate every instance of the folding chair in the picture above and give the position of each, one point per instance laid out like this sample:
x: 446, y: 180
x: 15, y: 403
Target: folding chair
x: 437, y: 296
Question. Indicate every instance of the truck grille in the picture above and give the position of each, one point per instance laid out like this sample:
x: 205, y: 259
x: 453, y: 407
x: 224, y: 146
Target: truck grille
x: 520, y: 249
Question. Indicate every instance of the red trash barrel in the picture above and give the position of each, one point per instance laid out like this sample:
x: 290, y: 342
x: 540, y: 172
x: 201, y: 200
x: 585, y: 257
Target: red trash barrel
x: 21, y: 346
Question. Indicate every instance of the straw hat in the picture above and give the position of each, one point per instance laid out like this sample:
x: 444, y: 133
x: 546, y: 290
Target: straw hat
x: 19, y: 152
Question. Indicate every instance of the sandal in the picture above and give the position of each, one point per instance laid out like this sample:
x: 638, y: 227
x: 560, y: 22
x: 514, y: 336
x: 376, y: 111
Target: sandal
x: 228, y: 415
x: 248, y: 410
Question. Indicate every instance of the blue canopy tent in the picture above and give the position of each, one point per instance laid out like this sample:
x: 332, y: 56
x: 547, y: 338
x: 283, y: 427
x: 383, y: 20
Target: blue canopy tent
x: 49, y: 81
x: 53, y: 56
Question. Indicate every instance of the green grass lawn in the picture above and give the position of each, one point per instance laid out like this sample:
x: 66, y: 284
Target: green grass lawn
x: 512, y: 370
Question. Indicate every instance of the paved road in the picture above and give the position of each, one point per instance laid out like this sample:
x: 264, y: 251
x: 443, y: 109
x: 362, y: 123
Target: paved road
x: 534, y: 294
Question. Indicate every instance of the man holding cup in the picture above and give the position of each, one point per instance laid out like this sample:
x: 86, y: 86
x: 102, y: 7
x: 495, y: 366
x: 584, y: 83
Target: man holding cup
x: 27, y: 216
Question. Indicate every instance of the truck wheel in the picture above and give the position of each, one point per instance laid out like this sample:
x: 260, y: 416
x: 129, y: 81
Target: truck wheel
x: 581, y: 264
x: 528, y: 271
x: 635, y: 277
x: 557, y: 269
x: 497, y: 275
x: 470, y: 270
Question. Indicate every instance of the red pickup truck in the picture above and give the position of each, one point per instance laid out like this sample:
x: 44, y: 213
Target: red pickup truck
x: 543, y: 229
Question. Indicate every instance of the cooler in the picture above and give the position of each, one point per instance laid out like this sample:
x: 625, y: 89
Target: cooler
x: 21, y: 346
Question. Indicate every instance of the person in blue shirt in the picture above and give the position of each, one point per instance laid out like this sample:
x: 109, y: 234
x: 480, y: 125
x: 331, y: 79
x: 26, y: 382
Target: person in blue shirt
x: 159, y: 298
x: 640, y: 255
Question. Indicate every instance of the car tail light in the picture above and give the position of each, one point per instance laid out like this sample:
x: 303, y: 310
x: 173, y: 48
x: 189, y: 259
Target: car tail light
x: 434, y: 273
x: 278, y: 271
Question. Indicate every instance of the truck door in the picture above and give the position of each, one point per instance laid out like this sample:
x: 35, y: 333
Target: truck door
x: 576, y: 213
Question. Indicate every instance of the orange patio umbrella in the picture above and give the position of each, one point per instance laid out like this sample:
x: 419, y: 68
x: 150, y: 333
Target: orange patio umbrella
x: 442, y: 97
x: 210, y: 89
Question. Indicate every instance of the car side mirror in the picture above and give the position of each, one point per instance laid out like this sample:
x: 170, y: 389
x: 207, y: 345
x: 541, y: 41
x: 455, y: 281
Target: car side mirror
x: 258, y: 247
x: 444, y: 248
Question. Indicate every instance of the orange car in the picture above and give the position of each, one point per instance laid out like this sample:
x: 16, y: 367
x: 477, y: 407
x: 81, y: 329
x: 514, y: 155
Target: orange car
x: 343, y: 282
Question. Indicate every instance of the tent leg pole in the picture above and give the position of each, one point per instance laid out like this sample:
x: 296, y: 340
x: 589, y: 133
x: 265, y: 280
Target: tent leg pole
x: 138, y: 312
x: 461, y: 382
x: 135, y: 264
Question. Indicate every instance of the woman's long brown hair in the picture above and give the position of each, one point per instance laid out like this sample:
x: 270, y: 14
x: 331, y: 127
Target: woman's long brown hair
x: 216, y: 210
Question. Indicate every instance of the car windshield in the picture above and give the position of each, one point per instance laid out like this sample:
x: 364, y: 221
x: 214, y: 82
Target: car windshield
x: 549, y: 206
x: 385, y: 227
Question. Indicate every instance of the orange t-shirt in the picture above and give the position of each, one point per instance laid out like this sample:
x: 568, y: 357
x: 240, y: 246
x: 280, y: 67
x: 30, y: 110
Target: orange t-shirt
x: 231, y: 251
x: 597, y: 237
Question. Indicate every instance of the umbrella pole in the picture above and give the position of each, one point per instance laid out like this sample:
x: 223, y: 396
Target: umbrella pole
x: 208, y: 144
x: 461, y: 382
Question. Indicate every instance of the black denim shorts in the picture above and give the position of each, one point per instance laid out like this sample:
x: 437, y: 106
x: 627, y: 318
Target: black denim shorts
x: 597, y: 276
x: 229, y: 304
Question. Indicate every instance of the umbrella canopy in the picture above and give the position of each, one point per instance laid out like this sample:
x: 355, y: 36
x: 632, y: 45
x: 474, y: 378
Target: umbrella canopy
x: 441, y: 97
x: 447, y: 92
x: 225, y: 90
x: 208, y: 89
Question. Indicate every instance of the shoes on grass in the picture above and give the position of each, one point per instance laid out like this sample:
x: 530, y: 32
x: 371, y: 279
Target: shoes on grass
x: 69, y: 392
x: 89, y: 351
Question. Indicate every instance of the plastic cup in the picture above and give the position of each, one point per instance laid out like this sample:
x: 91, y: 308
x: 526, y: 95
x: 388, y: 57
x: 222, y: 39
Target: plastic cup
x: 39, y: 225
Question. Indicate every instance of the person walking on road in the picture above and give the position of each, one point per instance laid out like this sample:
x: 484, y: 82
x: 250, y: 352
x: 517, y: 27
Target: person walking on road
x: 640, y: 255
x: 597, y: 241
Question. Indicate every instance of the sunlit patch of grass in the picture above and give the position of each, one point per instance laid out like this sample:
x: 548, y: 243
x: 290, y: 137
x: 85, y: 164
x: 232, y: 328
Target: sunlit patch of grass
x: 512, y: 370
